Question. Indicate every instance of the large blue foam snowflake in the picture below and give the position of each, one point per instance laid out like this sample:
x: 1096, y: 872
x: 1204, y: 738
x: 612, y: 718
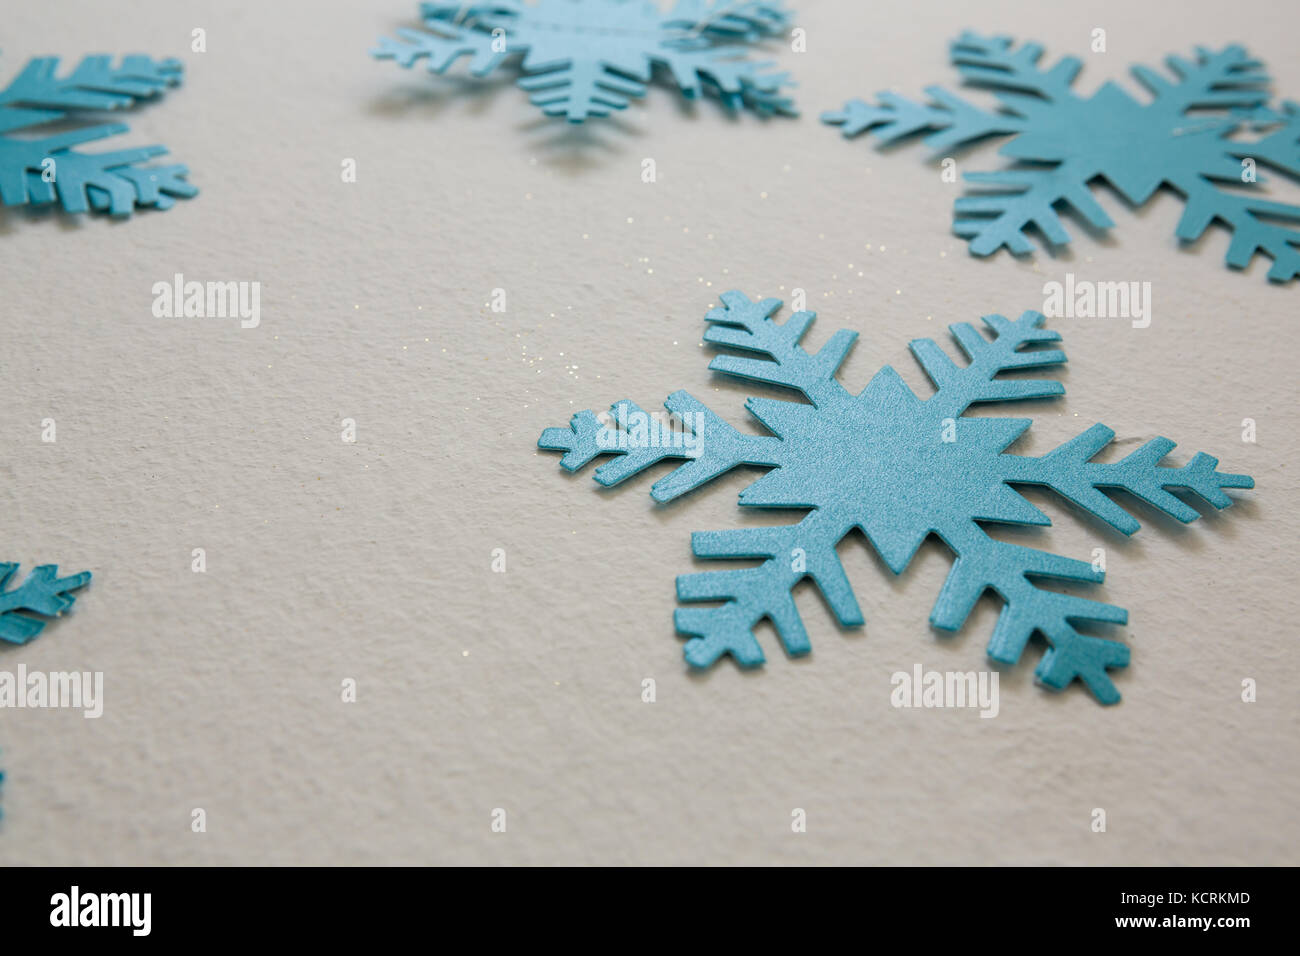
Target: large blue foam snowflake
x: 43, y: 593
x: 1182, y: 138
x: 40, y: 169
x: 899, y: 468
x: 583, y: 58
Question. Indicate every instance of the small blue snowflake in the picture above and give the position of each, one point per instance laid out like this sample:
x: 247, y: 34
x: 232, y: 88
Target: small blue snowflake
x: 1063, y: 142
x: 41, y: 169
x: 897, y: 467
x: 583, y: 58
x: 44, y: 593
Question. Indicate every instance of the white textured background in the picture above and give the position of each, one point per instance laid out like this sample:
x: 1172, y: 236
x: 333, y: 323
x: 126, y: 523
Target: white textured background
x: 522, y: 690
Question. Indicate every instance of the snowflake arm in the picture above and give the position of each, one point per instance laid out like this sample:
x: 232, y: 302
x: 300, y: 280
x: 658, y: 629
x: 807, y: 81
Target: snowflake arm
x: 43, y: 593
x: 959, y: 388
x: 745, y: 20
x: 1251, y: 229
x: 710, y: 445
x: 1280, y: 148
x: 790, y: 553
x: 95, y: 84
x: 951, y: 120
x: 441, y: 48
x: 38, y: 171
x: 983, y: 563
x: 995, y: 62
x: 739, y: 84
x: 747, y: 326
x: 1226, y: 79
x: 983, y: 61
x: 1070, y: 471
x: 697, y: 66
x: 1012, y: 200
x: 113, y: 182
x: 581, y: 89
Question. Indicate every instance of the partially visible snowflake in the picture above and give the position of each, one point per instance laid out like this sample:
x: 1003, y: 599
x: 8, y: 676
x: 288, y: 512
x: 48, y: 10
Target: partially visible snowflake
x: 899, y: 468
x: 1063, y: 142
x: 43, y: 168
x: 43, y: 594
x: 583, y: 58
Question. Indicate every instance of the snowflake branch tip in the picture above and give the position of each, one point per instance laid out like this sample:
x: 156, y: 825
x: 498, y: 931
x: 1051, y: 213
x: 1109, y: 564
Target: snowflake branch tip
x: 43, y: 594
x: 1087, y: 658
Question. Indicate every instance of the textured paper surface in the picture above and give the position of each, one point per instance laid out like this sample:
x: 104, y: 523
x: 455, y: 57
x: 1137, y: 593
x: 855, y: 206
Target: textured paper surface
x: 522, y: 690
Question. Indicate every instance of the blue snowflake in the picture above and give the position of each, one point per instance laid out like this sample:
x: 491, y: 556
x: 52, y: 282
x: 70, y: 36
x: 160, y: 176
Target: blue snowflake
x: 1063, y: 142
x: 43, y: 593
x: 41, y: 169
x: 899, y: 468
x: 583, y: 58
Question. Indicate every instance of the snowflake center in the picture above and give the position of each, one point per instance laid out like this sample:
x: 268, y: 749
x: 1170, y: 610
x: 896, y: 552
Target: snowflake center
x: 888, y: 445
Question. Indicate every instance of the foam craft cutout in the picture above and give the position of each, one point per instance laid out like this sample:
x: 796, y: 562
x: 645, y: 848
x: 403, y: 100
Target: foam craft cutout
x: 43, y: 593
x: 1063, y: 142
x: 584, y: 58
x: 897, y: 467
x: 43, y: 170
